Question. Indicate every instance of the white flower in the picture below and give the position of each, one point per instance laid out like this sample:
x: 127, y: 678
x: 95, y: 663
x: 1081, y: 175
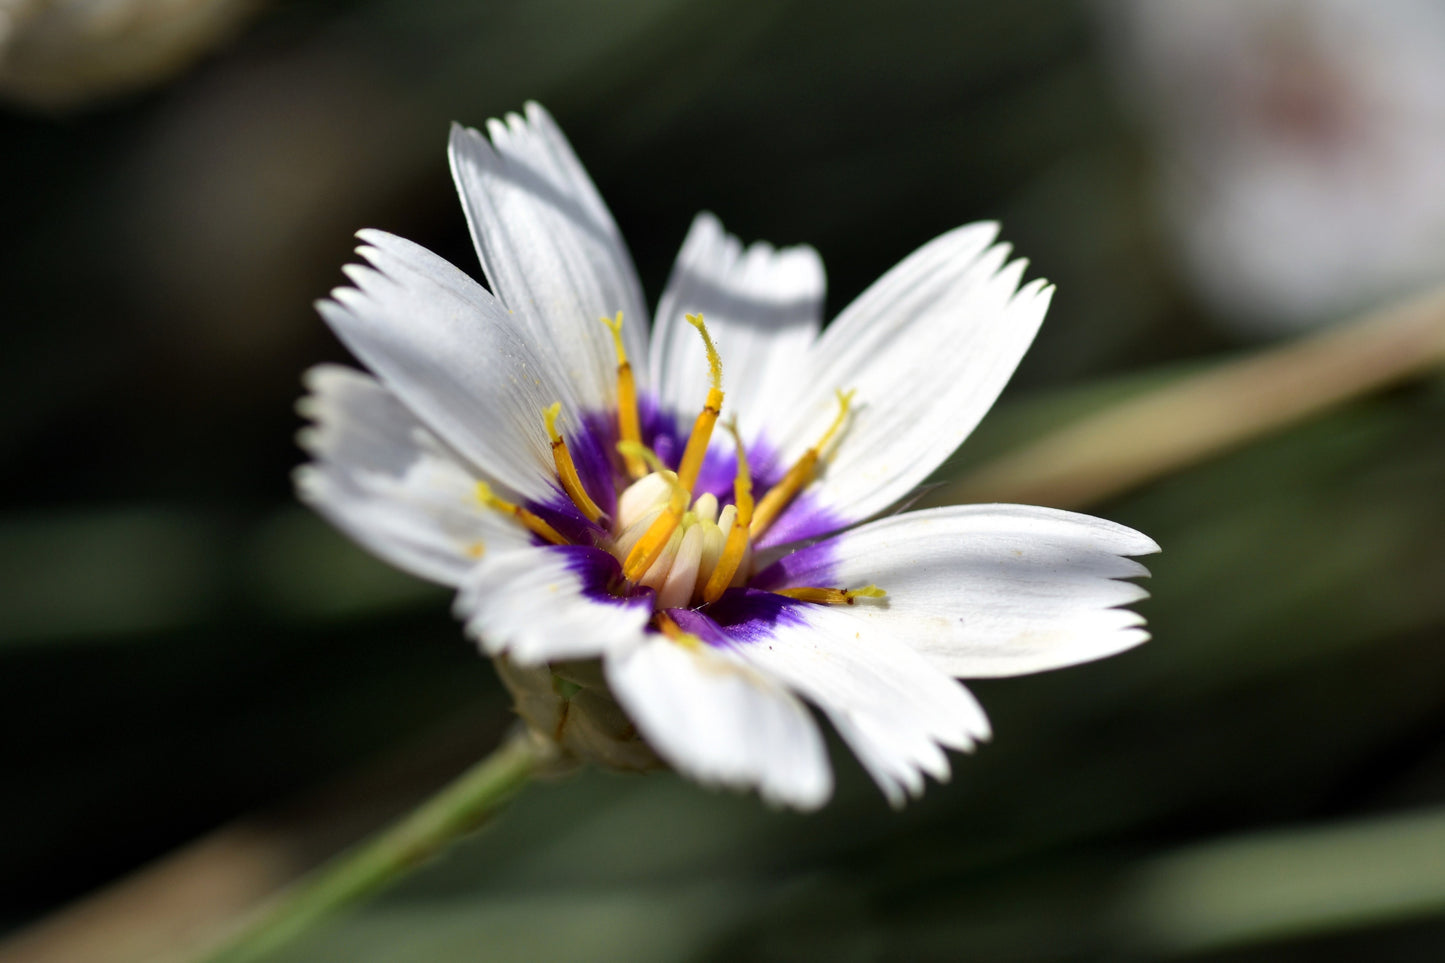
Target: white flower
x: 1301, y: 143
x: 587, y: 509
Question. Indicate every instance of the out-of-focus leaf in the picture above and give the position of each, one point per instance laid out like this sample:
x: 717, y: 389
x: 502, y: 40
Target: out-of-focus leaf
x: 133, y: 572
x: 299, y: 567
x: 1293, y: 882
x: 105, y: 573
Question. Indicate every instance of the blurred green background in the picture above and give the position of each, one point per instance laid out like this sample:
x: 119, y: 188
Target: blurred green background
x: 182, y: 645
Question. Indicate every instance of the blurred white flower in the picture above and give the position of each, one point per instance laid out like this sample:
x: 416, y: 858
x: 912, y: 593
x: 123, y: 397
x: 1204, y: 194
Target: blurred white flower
x: 1303, y: 144
x: 61, y: 53
x: 590, y: 510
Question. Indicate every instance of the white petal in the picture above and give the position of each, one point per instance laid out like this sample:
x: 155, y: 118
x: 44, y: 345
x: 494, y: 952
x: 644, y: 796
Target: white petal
x: 387, y: 482
x: 449, y: 351
x: 894, y: 708
x: 987, y: 590
x: 928, y: 348
x: 549, y: 246
x: 720, y: 722
x: 544, y: 603
x: 763, y: 308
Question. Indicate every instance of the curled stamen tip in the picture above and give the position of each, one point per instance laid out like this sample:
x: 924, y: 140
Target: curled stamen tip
x: 636, y: 449
x: 615, y: 326
x: 714, y: 360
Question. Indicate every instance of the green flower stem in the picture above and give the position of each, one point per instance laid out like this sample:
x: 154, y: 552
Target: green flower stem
x: 370, y: 866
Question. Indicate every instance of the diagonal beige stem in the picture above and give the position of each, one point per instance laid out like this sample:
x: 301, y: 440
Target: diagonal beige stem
x: 1204, y: 414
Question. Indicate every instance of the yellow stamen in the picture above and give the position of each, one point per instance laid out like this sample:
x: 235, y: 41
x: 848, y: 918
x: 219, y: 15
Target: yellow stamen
x: 692, y: 455
x: 736, y: 545
x: 832, y: 596
x: 650, y: 546
x: 535, y: 524
x: 675, y: 632
x: 628, y: 427
x: 566, y: 469
x: 798, y: 477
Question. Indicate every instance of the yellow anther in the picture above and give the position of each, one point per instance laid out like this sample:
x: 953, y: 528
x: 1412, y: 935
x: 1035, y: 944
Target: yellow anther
x: 628, y: 426
x: 832, y: 596
x: 736, y: 546
x: 652, y: 543
x: 566, y: 469
x: 692, y: 455
x: 675, y: 632
x: 798, y: 477
x: 534, y: 523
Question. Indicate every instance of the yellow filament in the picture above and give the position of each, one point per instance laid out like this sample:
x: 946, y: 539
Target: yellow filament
x: 832, y: 596
x: 533, y: 522
x: 650, y: 546
x: 798, y: 477
x: 628, y: 427
x: 736, y: 545
x: 692, y: 455
x: 566, y: 469
x: 784, y: 491
x: 675, y: 632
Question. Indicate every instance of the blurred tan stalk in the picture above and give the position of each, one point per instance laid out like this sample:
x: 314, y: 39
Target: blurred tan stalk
x: 1209, y: 412
x: 178, y: 904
